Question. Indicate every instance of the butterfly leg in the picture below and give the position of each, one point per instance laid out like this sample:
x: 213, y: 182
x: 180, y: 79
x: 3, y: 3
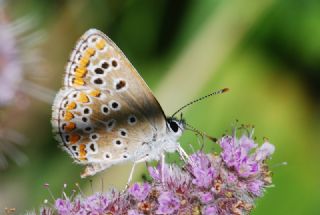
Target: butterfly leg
x: 163, y: 158
x: 183, y: 155
x: 131, y: 174
x: 133, y: 167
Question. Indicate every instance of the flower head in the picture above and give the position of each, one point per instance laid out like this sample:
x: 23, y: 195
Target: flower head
x: 63, y: 206
x: 202, y: 170
x: 210, y: 210
x: 236, y: 154
x: 140, y: 192
x: 227, y: 183
x: 168, y: 203
x: 96, y: 204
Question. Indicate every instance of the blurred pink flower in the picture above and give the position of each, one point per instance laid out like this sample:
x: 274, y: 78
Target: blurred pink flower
x: 19, y: 57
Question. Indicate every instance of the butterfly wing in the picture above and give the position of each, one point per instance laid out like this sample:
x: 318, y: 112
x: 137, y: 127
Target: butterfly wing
x: 105, y: 110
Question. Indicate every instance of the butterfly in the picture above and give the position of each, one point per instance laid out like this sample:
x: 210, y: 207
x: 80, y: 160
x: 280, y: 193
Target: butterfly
x: 105, y: 114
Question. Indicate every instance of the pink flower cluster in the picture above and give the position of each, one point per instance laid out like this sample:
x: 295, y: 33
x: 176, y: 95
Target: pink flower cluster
x: 227, y: 183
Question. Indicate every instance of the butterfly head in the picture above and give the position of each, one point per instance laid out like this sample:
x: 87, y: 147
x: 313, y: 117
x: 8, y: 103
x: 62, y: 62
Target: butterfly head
x: 175, y: 126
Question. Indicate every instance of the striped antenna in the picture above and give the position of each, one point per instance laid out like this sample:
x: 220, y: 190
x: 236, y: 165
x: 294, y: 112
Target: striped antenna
x: 201, y: 98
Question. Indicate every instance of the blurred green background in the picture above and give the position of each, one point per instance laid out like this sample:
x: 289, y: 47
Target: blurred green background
x: 267, y: 52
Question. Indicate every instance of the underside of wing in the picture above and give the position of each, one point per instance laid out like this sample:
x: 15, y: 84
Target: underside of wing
x: 95, y: 128
x: 97, y: 63
x: 105, y: 111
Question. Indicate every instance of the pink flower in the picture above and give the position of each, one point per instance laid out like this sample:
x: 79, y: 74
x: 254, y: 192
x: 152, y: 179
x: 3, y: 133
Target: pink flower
x: 236, y: 154
x: 228, y: 183
x: 168, y: 203
x: 256, y: 187
x: 264, y: 151
x: 206, y: 197
x: 210, y: 210
x: 202, y: 170
x: 63, y: 206
x: 140, y: 192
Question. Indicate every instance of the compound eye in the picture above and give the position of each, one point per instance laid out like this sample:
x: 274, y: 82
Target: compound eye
x: 174, y: 126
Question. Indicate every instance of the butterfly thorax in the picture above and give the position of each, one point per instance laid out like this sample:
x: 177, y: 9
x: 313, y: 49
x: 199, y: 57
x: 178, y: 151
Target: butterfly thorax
x: 166, y: 141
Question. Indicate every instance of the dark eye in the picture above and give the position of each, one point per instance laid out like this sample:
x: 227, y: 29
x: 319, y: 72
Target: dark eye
x: 174, y: 126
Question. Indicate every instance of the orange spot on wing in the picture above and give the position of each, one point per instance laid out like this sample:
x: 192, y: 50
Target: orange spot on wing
x: 71, y: 106
x: 80, y: 72
x: 82, y: 151
x: 68, y: 116
x: 69, y: 127
x: 78, y: 81
x: 74, y: 138
x: 84, y: 61
x: 90, y: 51
x: 95, y: 93
x: 83, y: 98
x: 101, y: 44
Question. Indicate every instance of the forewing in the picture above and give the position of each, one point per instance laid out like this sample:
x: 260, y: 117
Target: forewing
x: 105, y: 110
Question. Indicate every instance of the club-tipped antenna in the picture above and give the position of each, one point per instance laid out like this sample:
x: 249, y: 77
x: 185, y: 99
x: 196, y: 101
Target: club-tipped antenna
x: 199, y: 99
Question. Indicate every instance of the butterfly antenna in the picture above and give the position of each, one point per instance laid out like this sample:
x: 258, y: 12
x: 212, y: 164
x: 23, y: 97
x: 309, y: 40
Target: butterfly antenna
x: 201, y: 98
x: 201, y: 133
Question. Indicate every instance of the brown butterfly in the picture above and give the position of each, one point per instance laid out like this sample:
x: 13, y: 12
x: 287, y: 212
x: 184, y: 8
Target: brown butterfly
x: 106, y: 114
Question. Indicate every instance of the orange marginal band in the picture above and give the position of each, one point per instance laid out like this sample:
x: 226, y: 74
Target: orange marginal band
x: 84, y: 61
x: 68, y: 116
x: 82, y: 152
x: 74, y: 138
x: 80, y: 72
x: 70, y: 126
x: 101, y: 44
x: 95, y: 93
x: 78, y: 81
x: 83, y: 98
x: 90, y: 51
x: 71, y: 106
